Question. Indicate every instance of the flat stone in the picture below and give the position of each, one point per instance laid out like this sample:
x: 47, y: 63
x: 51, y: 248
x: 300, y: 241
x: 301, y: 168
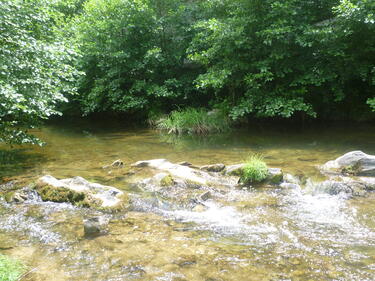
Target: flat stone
x: 187, y: 174
x: 184, y: 163
x: 205, y: 196
x: 234, y: 170
x: 213, y: 168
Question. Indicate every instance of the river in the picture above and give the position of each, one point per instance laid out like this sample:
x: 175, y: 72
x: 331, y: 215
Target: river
x: 256, y: 234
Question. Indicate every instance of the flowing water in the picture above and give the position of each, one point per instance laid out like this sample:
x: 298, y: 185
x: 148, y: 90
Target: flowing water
x: 256, y: 234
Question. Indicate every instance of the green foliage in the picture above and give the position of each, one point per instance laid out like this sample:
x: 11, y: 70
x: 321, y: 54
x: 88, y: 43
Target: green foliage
x: 371, y: 102
x: 35, y: 69
x: 134, y: 55
x: 275, y: 58
x: 10, y: 269
x: 255, y: 170
x: 193, y: 121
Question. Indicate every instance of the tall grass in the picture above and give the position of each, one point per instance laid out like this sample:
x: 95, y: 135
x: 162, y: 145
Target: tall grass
x: 10, y: 269
x: 193, y: 121
x: 255, y: 170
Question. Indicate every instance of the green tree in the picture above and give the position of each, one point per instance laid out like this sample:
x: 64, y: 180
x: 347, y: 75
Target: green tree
x: 270, y: 58
x: 35, y: 69
x: 134, y: 55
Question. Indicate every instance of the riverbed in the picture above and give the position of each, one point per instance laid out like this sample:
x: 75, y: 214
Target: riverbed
x: 255, y: 234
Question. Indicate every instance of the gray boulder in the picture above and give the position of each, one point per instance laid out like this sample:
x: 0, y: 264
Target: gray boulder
x: 355, y: 163
x: 275, y: 176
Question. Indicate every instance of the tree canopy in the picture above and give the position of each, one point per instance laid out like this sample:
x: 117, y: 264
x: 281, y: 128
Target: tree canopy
x: 36, y: 70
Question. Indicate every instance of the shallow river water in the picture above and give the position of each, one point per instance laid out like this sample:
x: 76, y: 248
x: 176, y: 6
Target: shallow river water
x: 256, y: 234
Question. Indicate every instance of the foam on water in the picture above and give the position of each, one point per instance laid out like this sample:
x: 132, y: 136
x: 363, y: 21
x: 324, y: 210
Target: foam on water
x: 228, y: 221
x: 324, y: 216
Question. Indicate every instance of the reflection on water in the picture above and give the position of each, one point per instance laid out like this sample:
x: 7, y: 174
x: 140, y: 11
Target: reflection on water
x: 264, y: 234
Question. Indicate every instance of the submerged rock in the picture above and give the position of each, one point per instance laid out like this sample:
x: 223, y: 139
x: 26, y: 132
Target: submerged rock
x: 355, y: 163
x: 115, y: 164
x: 80, y: 192
x: 95, y: 226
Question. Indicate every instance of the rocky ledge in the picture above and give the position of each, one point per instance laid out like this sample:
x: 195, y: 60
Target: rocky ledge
x: 80, y: 192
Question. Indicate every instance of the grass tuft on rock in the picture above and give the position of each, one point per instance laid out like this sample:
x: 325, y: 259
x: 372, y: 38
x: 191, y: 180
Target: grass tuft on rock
x: 10, y: 269
x: 255, y: 170
x: 193, y: 121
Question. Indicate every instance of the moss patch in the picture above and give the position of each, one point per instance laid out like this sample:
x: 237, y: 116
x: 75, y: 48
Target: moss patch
x: 167, y: 181
x: 352, y: 170
x: 8, y: 196
x: 60, y: 195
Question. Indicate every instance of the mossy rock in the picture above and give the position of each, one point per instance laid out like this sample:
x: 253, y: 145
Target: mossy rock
x: 167, y: 181
x: 65, y: 195
x: 61, y: 194
x: 80, y: 192
x: 8, y: 196
x: 275, y: 176
x: 234, y: 170
x: 352, y: 170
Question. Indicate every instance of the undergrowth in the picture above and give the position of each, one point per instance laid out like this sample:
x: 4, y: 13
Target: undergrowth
x: 193, y: 121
